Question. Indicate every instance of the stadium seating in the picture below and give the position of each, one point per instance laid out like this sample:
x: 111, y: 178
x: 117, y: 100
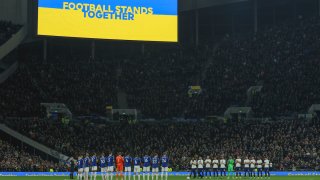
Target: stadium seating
x: 283, y: 59
x: 17, y: 158
x: 286, y: 143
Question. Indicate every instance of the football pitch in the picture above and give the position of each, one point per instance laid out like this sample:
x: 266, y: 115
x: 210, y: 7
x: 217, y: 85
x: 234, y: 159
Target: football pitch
x: 170, y: 178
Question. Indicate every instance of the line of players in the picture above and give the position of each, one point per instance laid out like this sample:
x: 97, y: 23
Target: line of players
x: 250, y: 167
x: 89, y: 166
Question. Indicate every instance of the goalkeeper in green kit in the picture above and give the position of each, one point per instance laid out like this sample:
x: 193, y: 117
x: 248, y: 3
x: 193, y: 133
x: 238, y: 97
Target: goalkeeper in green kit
x: 230, y: 167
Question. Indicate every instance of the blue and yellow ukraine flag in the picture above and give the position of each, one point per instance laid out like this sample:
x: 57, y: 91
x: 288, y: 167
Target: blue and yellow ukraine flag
x: 162, y: 25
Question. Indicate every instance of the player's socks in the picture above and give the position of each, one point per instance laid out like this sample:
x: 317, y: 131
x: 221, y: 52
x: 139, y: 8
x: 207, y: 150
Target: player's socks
x: 148, y: 175
x: 94, y: 175
x: 166, y: 175
x: 143, y: 176
x: 157, y: 175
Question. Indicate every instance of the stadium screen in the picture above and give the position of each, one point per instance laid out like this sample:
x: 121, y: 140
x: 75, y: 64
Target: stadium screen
x: 143, y: 20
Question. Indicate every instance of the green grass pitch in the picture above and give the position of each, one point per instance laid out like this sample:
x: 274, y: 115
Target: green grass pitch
x: 170, y: 178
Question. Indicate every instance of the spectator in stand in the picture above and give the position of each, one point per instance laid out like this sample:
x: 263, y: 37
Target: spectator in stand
x: 13, y: 158
x: 285, y: 143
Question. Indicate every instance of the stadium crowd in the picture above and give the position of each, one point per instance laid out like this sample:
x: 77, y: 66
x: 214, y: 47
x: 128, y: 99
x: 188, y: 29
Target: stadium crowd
x: 17, y: 158
x: 7, y: 29
x: 288, y: 144
x: 283, y: 59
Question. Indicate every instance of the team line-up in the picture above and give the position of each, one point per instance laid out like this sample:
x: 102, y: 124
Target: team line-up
x: 215, y: 167
x: 199, y: 167
x: 107, y: 164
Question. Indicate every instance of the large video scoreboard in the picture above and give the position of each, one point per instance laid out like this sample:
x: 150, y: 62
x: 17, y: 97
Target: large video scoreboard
x: 143, y: 20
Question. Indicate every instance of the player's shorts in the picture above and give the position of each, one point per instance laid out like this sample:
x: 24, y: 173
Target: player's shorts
x: 80, y: 170
x: 86, y: 169
x: 136, y: 169
x: 110, y: 169
x: 252, y: 169
x: 146, y: 169
x: 230, y: 168
x: 259, y: 169
x: 164, y: 169
x: 223, y: 169
x: 215, y: 169
x: 119, y: 167
x: 238, y: 168
x: 246, y: 169
x: 266, y: 169
x: 103, y: 169
x: 94, y: 168
x: 155, y: 170
x: 127, y: 169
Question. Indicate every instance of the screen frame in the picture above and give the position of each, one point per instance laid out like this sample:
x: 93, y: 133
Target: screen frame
x: 103, y: 39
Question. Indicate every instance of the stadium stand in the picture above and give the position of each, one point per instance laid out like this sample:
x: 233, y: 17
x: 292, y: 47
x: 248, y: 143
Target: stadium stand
x: 286, y: 143
x: 157, y: 85
x: 17, y: 158
x: 283, y: 59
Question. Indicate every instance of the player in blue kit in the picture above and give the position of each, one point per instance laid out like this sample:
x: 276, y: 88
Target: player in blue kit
x: 86, y: 166
x: 146, y: 166
x: 127, y: 166
x: 164, y: 165
x: 155, y: 166
x: 103, y: 166
x: 94, y: 167
x: 110, y: 169
x: 80, y: 167
x: 136, y: 167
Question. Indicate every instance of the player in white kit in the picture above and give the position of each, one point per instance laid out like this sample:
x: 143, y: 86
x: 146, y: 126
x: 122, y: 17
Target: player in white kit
x: 223, y: 167
x: 246, y: 167
x: 238, y: 166
x: 200, y: 167
x: 193, y: 164
x: 207, y: 163
x: 259, y: 167
x: 266, y: 164
x: 215, y: 167
x: 252, y: 167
